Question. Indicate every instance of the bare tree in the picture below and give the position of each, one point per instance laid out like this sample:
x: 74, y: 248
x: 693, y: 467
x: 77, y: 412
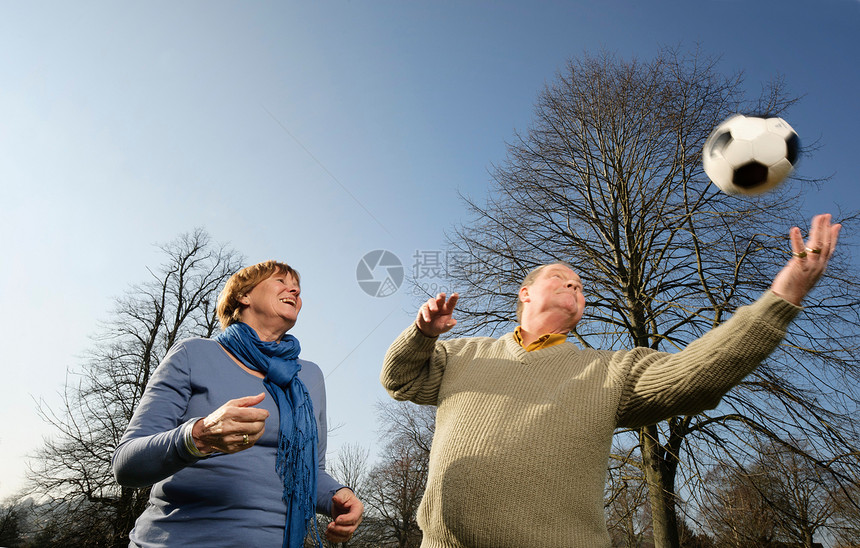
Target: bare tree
x: 846, y: 518
x: 73, y: 469
x: 735, y: 512
x: 627, y: 514
x: 608, y: 178
x: 351, y: 467
x: 798, y: 491
x: 396, y: 483
x: 11, y: 528
x: 780, y: 497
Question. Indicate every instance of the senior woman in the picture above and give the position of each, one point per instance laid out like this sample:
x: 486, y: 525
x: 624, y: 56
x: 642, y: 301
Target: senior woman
x: 219, y: 477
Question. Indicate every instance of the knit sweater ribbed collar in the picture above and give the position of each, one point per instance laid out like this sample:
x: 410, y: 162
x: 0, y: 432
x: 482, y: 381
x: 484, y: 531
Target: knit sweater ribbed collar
x: 524, y: 356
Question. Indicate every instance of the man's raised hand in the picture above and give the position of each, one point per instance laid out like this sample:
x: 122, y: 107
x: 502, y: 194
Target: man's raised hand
x: 809, y: 259
x: 436, y: 315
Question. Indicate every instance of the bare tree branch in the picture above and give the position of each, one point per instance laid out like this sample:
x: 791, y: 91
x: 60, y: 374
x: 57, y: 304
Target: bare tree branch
x: 72, y: 470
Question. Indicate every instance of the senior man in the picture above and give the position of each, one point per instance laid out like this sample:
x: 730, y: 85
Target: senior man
x: 524, y: 422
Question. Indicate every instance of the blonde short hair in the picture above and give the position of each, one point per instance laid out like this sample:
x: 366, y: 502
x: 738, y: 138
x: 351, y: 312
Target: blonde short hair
x: 229, y: 308
x: 529, y: 280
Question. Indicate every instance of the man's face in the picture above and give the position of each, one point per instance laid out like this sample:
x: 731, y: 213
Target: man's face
x: 556, y: 289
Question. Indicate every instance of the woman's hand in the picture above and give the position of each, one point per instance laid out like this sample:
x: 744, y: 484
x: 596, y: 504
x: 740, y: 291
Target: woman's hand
x: 233, y: 427
x: 346, y: 511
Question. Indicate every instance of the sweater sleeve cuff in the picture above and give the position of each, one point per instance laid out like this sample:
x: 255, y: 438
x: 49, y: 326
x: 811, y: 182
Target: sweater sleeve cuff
x: 418, y: 338
x: 782, y: 311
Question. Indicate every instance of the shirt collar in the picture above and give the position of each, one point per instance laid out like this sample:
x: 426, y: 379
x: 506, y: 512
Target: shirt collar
x: 544, y: 341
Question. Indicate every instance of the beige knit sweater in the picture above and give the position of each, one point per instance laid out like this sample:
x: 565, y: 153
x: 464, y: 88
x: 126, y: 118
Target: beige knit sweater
x: 522, y: 438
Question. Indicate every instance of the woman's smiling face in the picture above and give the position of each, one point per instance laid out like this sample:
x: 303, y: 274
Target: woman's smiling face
x: 273, y: 304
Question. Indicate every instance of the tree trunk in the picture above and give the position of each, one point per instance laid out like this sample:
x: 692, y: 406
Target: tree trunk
x: 661, y: 491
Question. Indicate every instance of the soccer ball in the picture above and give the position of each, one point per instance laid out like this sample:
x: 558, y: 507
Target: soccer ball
x: 749, y: 154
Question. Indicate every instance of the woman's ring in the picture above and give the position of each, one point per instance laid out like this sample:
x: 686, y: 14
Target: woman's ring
x: 244, y: 439
x: 799, y: 255
x: 816, y: 250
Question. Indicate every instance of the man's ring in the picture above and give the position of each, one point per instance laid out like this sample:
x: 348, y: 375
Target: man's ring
x: 799, y: 255
x: 816, y: 250
x: 244, y: 439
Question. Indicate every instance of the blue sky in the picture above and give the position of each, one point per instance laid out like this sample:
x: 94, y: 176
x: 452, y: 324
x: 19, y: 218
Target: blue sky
x: 315, y: 132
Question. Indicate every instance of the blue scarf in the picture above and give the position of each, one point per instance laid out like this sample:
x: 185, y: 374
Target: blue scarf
x: 297, y: 437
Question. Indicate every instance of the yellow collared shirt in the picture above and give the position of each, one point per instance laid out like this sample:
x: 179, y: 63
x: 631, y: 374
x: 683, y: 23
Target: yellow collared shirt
x: 544, y: 341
